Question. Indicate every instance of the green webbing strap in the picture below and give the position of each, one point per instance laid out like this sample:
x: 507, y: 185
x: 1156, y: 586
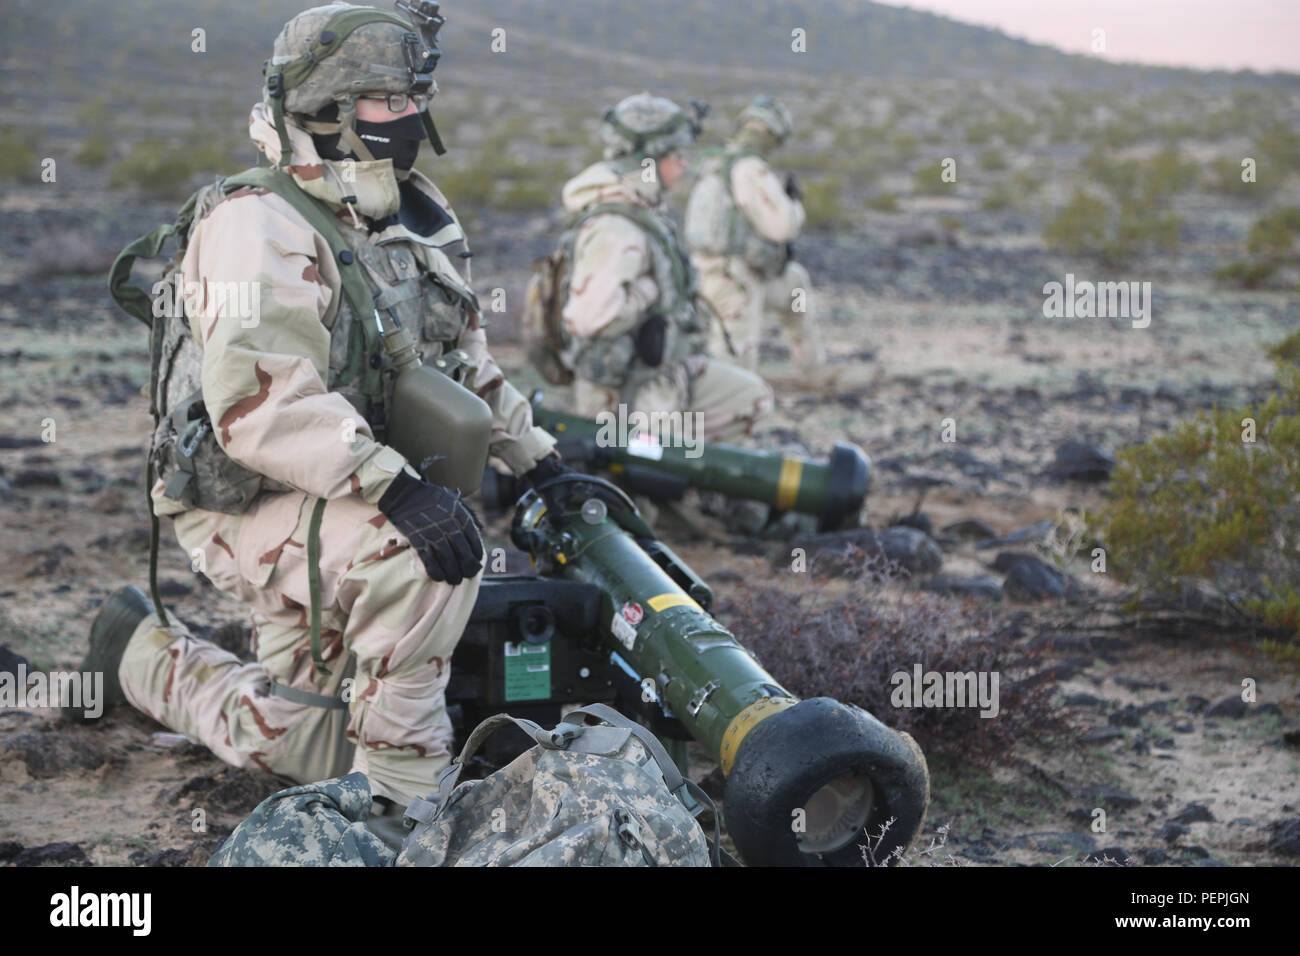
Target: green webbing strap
x: 129, y: 298
x: 313, y: 581
x: 355, y: 285
x: 153, y: 545
x: 306, y: 697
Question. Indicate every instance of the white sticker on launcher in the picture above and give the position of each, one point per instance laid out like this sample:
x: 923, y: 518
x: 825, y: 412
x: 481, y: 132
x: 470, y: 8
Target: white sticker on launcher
x: 642, y: 447
x: 623, y: 630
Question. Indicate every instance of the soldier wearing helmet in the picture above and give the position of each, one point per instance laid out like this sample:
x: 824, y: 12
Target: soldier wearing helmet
x: 740, y: 222
x: 638, y: 334
x: 293, y: 503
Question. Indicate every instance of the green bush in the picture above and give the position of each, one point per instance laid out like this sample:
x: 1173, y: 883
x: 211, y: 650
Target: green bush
x: 823, y: 201
x: 928, y: 180
x: 18, y: 160
x: 1204, y: 505
x: 883, y: 202
x: 993, y: 160
x: 96, y: 149
x: 165, y: 168
x: 1271, y: 244
x: 1081, y: 224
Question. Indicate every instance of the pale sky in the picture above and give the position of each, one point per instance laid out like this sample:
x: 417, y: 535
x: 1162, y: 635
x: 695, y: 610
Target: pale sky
x: 1262, y: 35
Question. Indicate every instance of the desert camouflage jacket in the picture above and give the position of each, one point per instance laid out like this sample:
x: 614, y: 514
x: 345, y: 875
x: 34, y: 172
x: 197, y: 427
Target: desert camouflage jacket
x: 739, y: 207
x: 271, y: 361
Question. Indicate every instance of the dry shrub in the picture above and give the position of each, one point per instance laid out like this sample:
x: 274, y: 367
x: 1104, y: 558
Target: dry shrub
x: 849, y: 650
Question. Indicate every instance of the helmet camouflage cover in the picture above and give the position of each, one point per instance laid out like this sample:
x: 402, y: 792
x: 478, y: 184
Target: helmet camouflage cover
x: 327, y: 55
x: 771, y: 113
x: 645, y: 125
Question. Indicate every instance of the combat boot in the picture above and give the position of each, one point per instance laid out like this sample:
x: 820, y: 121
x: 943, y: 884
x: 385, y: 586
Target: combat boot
x: 119, y: 616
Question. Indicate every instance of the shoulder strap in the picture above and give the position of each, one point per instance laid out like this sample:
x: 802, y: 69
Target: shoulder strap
x: 355, y: 286
x: 651, y: 224
x: 132, y: 299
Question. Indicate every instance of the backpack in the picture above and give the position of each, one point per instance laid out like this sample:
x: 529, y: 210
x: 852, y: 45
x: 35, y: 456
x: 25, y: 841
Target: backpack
x: 549, y: 346
x: 603, y: 795
x: 543, y: 320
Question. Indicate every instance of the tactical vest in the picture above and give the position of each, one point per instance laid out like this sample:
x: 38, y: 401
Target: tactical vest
x: 716, y: 226
x: 613, y: 362
x: 393, y: 272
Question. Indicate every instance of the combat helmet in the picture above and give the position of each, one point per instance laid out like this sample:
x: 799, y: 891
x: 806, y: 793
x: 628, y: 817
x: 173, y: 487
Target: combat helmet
x: 650, y: 126
x: 327, y: 55
x: 771, y: 113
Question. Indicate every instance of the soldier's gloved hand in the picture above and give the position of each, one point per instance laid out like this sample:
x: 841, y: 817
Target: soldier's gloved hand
x: 552, y: 466
x: 792, y: 187
x: 441, y: 528
x: 650, y: 339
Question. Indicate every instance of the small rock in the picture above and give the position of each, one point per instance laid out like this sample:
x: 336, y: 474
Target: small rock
x: 971, y: 528
x: 172, y: 588
x: 10, y: 662
x: 1231, y: 706
x: 1194, y: 813
x: 1082, y: 700
x: 1100, y: 735
x: 1284, y: 837
x: 1196, y: 704
x: 1165, y: 743
x: 1126, y: 716
x: 1055, y: 842
x: 841, y: 552
x: 1031, y: 579
x: 1076, y: 461
x: 48, y: 753
x: 1111, y: 796
x: 1032, y: 533
x: 36, y: 478
x: 919, y: 520
x: 1172, y: 831
x: 1184, y: 728
x: 1152, y: 855
x: 64, y: 854
x: 980, y: 586
x: 1196, y: 851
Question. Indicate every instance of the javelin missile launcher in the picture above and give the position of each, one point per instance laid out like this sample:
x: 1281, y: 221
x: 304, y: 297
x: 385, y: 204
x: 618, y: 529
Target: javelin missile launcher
x: 833, y: 491
x: 613, y: 615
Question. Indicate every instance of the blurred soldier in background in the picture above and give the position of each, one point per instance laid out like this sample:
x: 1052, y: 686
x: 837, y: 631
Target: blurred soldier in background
x: 740, y: 223
x: 633, y: 330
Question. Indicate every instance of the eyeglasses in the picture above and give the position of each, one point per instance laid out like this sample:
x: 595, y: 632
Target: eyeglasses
x: 397, y: 102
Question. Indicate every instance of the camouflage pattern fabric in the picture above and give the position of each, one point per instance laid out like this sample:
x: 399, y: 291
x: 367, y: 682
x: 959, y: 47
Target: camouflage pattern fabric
x: 559, y: 808
x: 645, y: 125
x: 318, y: 824
x: 734, y: 229
x: 369, y: 59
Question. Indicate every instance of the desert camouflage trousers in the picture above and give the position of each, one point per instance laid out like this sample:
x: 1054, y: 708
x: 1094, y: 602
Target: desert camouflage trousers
x: 729, y: 399
x: 743, y: 300
x: 378, y: 606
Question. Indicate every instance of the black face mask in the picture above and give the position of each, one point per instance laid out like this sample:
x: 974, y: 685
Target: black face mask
x: 398, y: 140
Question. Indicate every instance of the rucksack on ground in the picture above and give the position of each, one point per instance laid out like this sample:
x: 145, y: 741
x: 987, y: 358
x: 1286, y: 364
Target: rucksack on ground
x: 603, y: 795
x: 585, y: 795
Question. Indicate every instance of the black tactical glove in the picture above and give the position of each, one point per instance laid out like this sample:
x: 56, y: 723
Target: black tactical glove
x: 441, y: 528
x: 552, y: 466
x: 650, y: 338
x: 792, y: 187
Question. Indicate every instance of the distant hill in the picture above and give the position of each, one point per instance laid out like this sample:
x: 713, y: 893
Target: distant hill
x: 552, y: 43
